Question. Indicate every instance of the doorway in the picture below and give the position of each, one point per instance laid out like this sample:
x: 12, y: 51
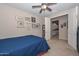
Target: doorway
x: 59, y: 27
x: 55, y: 29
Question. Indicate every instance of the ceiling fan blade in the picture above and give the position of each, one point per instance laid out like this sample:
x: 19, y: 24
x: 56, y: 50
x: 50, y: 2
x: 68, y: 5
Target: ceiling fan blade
x: 43, y: 3
x: 49, y: 9
x: 38, y: 6
x: 40, y: 11
x: 49, y: 4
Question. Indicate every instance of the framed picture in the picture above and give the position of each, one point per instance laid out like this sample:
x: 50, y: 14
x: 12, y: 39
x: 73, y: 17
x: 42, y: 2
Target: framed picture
x: 20, y: 24
x: 19, y: 18
x: 33, y: 19
x: 35, y: 25
x: 64, y: 24
x: 27, y: 19
x: 61, y: 26
x: 20, y: 21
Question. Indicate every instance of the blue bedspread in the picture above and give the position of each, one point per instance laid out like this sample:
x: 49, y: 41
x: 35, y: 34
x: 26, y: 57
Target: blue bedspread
x: 23, y: 46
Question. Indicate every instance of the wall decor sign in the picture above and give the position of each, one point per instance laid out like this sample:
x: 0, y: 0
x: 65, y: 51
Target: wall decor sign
x: 33, y: 19
x: 61, y: 26
x: 64, y: 24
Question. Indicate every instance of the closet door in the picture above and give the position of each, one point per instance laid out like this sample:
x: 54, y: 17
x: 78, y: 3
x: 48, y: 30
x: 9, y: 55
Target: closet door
x: 63, y: 30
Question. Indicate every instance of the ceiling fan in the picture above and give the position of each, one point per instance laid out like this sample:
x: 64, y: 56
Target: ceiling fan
x: 44, y: 6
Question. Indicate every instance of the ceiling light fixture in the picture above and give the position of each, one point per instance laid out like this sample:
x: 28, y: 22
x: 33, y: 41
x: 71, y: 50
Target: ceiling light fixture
x: 43, y: 6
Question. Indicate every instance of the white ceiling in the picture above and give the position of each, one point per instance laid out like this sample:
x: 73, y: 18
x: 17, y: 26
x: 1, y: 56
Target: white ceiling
x: 55, y: 8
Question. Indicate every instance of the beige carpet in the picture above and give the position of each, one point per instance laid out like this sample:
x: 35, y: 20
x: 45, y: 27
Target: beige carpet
x: 60, y: 48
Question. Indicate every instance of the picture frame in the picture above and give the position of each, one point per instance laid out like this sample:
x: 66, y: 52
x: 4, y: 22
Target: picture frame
x: 64, y: 24
x: 20, y: 21
x: 27, y: 19
x: 20, y: 24
x: 33, y: 19
x: 35, y: 25
x: 19, y: 18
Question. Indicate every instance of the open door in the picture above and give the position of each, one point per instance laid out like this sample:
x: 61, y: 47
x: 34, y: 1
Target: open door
x: 47, y: 28
x: 63, y: 27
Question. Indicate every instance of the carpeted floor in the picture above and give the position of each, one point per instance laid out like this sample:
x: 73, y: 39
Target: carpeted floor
x: 60, y: 48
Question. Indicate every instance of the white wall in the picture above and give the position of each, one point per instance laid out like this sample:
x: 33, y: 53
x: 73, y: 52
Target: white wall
x: 72, y: 25
x: 8, y: 23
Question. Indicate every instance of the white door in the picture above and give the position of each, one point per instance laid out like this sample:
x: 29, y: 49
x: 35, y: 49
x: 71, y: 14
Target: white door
x: 63, y: 31
x: 47, y: 28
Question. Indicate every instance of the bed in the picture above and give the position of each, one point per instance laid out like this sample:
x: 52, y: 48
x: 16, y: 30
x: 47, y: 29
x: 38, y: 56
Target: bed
x: 23, y: 46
